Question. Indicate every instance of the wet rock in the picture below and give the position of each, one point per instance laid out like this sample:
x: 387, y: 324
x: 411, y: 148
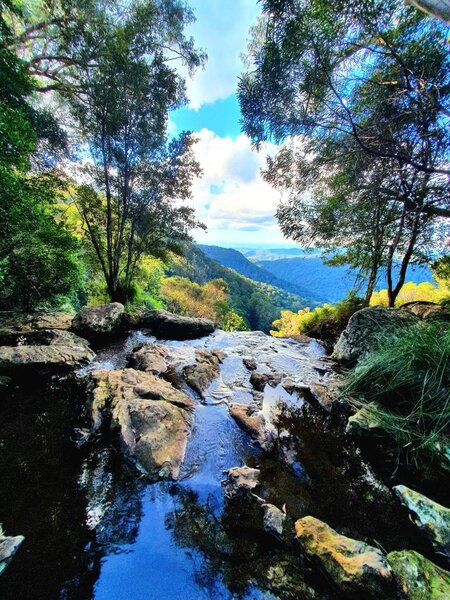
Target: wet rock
x: 165, y: 325
x: 252, y: 421
x: 432, y: 519
x: 150, y: 420
x: 354, y: 566
x: 97, y: 322
x: 240, y: 481
x: 323, y: 396
x: 219, y: 354
x: 149, y: 357
x: 14, y: 359
x: 43, y: 337
x: 289, y: 385
x: 357, y: 338
x: 250, y: 363
x: 427, y: 311
x: 259, y: 381
x: 19, y: 322
x: 8, y: 547
x: 200, y: 375
x: 273, y: 520
x: 417, y: 577
x: 364, y: 422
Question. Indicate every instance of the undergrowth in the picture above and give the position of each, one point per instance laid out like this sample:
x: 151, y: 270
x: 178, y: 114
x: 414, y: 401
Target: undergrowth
x: 404, y: 386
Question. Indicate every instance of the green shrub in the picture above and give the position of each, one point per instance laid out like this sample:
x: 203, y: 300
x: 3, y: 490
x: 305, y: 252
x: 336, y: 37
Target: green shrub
x: 324, y: 322
x: 405, y: 386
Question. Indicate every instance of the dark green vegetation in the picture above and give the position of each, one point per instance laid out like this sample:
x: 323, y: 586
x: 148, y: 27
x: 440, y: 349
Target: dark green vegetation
x: 38, y: 256
x: 403, y: 388
x: 365, y: 87
x: 109, y: 82
x: 259, y: 303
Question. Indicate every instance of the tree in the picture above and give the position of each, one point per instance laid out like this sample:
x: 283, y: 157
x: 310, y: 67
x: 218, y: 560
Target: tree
x: 364, y: 86
x: 38, y: 255
x: 136, y: 179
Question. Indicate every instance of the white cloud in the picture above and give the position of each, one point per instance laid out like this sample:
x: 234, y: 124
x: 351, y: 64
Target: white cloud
x: 231, y: 198
x: 221, y: 29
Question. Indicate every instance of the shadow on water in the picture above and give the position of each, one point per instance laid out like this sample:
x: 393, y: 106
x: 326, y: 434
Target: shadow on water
x: 95, y: 530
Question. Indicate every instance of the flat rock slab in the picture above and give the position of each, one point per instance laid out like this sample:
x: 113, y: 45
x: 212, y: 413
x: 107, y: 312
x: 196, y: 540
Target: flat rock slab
x: 418, y: 578
x: 56, y: 357
x: 353, y: 566
x: 20, y: 322
x: 167, y: 326
x: 149, y: 419
x: 431, y: 518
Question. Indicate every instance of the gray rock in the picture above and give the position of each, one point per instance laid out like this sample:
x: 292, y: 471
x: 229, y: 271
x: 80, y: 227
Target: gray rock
x: 12, y: 322
x: 56, y: 357
x: 431, y: 518
x: 8, y: 547
x: 150, y: 358
x: 167, y: 326
x: 241, y: 481
x: 97, y: 322
x: 273, y: 520
x: 359, y: 337
x: 200, y: 375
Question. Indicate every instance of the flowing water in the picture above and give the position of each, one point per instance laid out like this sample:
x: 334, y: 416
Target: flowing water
x: 97, y: 530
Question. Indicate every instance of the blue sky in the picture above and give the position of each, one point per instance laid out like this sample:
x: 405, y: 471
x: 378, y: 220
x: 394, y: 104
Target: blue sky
x: 230, y: 198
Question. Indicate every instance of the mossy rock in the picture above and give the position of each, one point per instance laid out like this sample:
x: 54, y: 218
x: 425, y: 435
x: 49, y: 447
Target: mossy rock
x: 355, y: 567
x: 431, y: 518
x: 418, y: 578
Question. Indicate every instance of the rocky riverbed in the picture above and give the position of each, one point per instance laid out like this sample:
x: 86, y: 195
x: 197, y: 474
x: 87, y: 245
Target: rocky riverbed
x: 215, y: 467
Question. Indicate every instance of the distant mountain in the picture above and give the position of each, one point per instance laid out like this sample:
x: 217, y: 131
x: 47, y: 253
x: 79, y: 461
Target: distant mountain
x: 331, y: 284
x: 234, y: 259
x: 258, y: 302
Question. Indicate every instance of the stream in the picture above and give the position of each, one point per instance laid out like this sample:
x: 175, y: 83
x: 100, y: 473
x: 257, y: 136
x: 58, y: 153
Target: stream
x: 95, y: 529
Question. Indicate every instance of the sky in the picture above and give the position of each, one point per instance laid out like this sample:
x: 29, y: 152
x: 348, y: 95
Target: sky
x: 231, y: 198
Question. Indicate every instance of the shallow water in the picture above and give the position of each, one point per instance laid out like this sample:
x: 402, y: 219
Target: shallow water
x: 96, y: 530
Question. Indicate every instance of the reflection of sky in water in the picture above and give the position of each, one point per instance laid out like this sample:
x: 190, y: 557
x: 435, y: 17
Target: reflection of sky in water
x: 153, y: 563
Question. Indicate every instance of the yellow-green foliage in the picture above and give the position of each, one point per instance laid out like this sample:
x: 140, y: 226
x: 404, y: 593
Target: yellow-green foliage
x: 292, y: 323
x: 414, y: 292
x: 184, y: 297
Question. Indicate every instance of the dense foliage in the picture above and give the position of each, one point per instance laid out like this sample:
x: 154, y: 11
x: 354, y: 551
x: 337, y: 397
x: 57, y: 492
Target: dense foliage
x: 38, y: 255
x: 359, y: 94
x: 257, y: 303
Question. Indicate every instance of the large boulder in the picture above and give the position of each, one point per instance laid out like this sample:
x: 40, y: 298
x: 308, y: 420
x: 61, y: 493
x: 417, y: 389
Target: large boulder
x: 8, y: 547
x: 354, y: 566
x: 432, y: 519
x: 418, y: 578
x: 167, y: 326
x: 149, y: 419
x: 99, y: 322
x: 359, y: 336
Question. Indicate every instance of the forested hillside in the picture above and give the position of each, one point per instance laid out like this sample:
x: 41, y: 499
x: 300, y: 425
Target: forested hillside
x: 236, y: 260
x: 259, y: 303
x: 329, y: 284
